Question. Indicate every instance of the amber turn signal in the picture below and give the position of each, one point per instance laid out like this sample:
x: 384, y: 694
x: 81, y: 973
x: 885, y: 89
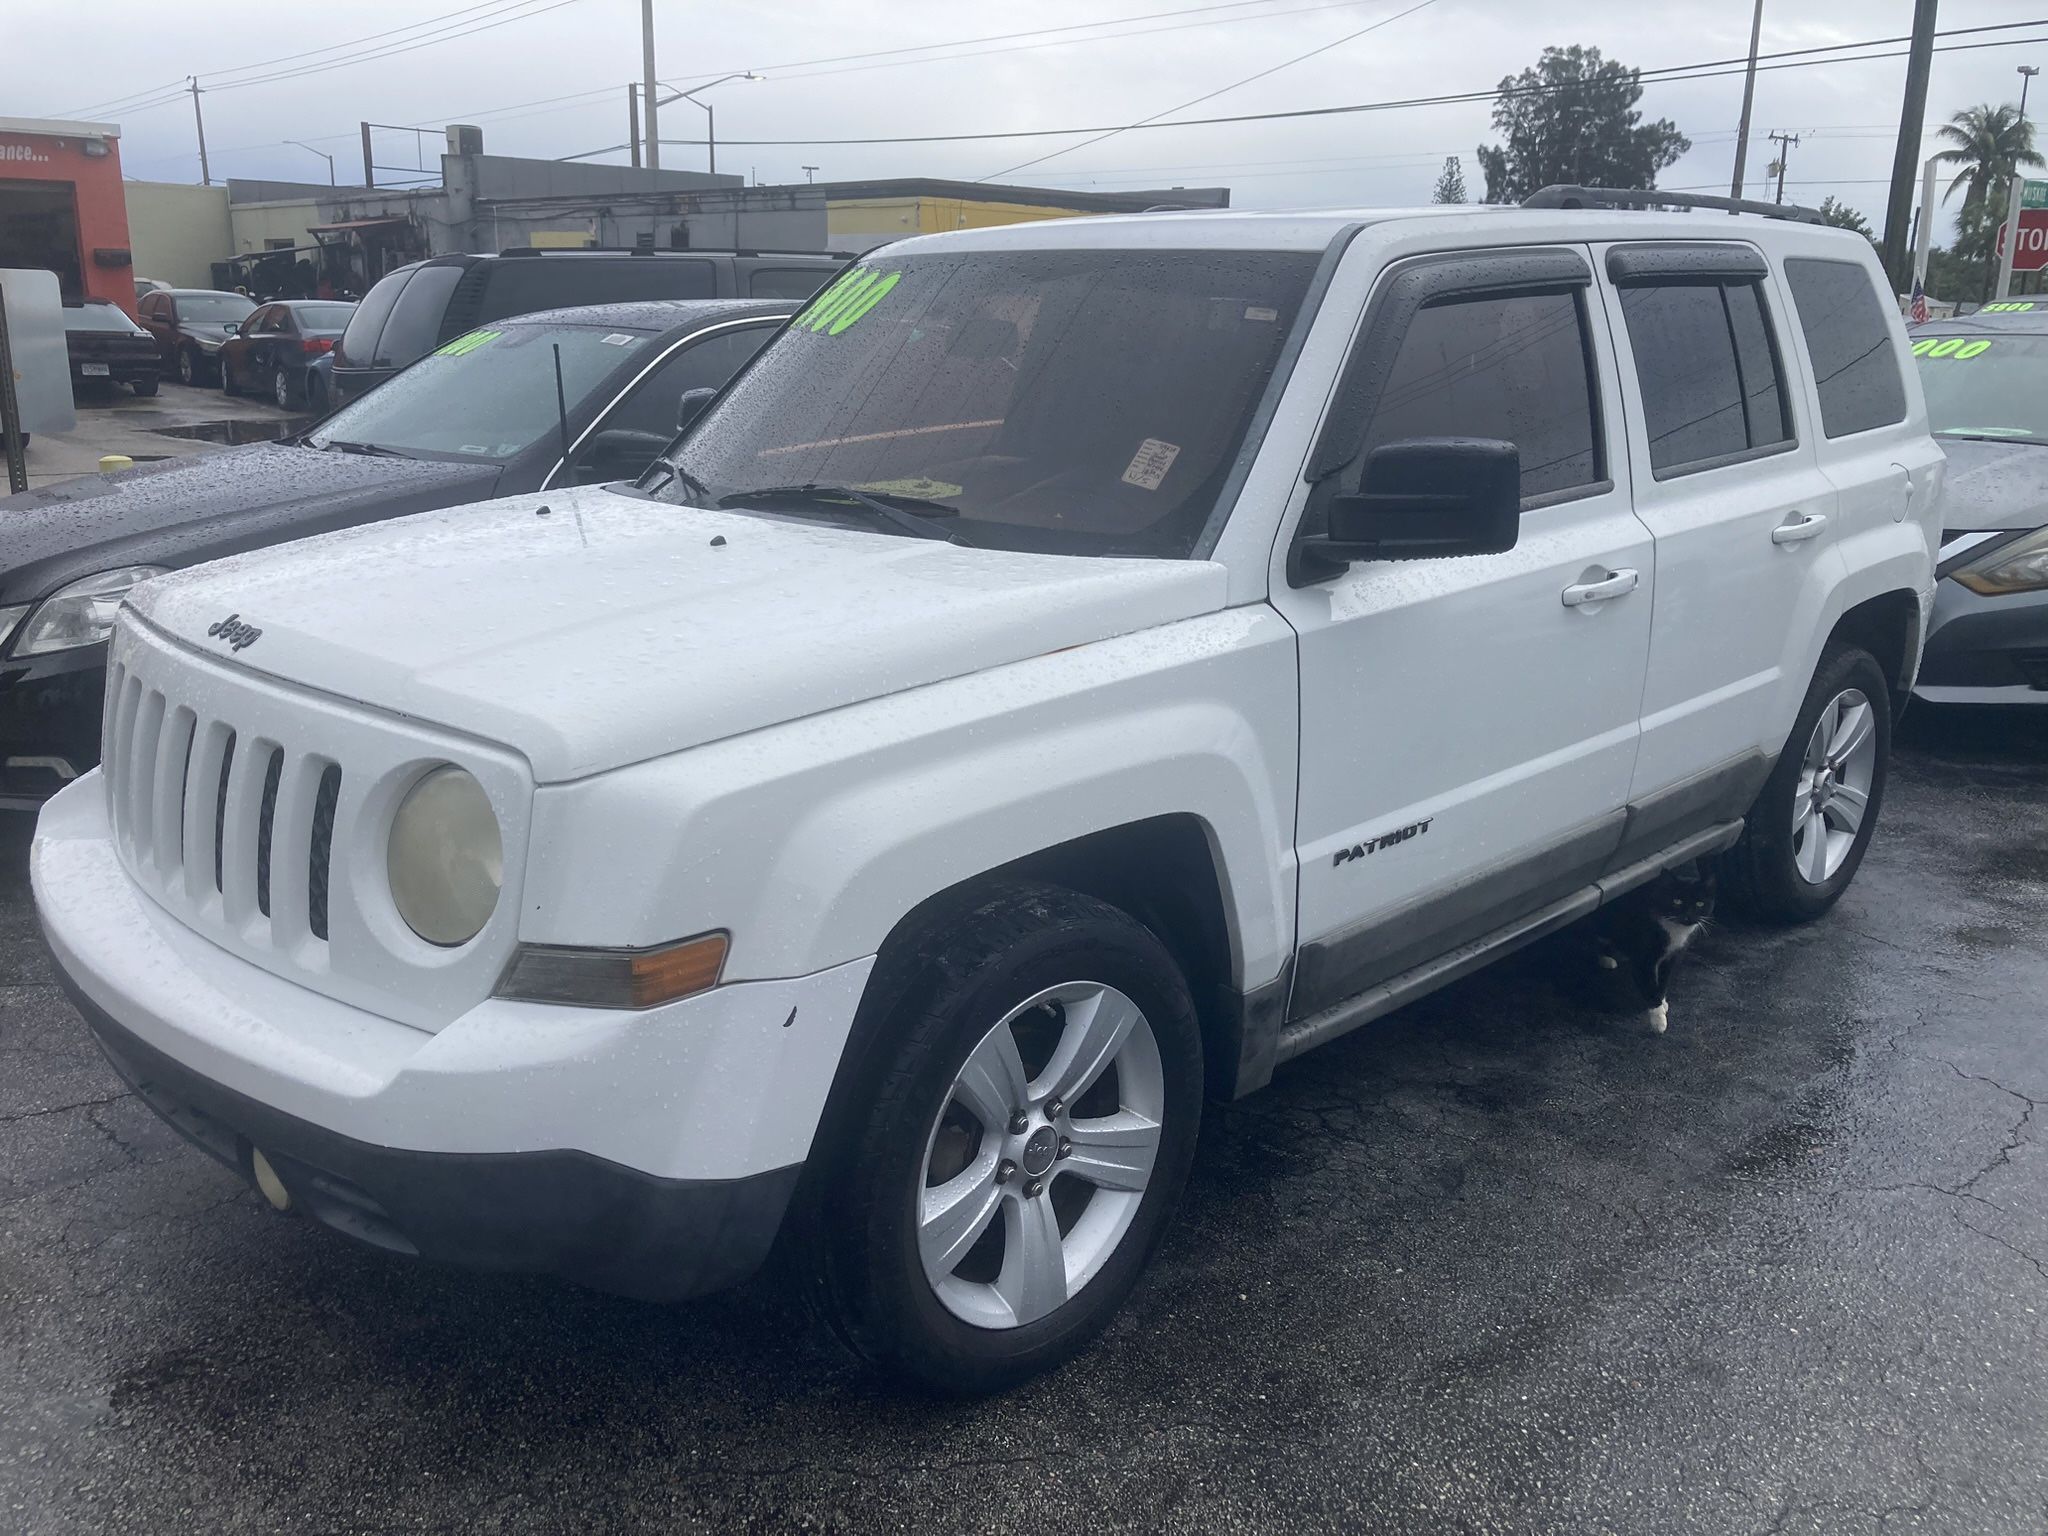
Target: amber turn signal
x: 614, y: 978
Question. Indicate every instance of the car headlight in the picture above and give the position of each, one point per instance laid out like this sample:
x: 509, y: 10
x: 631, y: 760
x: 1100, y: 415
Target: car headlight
x: 81, y: 613
x: 2020, y: 566
x: 446, y: 858
x: 9, y: 617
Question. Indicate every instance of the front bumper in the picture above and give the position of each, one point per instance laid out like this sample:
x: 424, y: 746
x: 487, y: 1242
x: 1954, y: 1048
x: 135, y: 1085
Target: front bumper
x: 1985, y: 650
x: 49, y: 722
x: 650, y: 1153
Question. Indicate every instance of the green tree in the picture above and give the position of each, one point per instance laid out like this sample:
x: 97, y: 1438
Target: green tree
x: 1573, y: 119
x: 1450, y: 183
x: 1842, y: 216
x: 1985, y: 144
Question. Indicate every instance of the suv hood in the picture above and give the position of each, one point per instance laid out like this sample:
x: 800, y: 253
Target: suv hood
x: 612, y: 629
x: 1993, y: 485
x: 182, y: 511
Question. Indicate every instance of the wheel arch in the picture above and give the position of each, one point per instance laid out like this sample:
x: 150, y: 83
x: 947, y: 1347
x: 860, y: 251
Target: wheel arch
x: 1887, y: 626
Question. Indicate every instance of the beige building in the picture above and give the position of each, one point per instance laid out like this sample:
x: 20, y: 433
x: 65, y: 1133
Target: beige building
x: 860, y: 215
x: 176, y: 232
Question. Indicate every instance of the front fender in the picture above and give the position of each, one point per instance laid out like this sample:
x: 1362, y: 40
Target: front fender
x: 809, y: 841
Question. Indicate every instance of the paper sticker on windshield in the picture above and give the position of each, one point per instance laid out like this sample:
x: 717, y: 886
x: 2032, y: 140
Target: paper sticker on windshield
x: 617, y: 339
x: 1950, y: 346
x: 923, y: 490
x: 1261, y: 312
x: 848, y: 300
x: 1150, y: 463
x: 469, y: 343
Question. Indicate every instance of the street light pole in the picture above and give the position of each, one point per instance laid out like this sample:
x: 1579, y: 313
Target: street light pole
x: 710, y: 117
x: 320, y: 152
x: 648, y: 94
x: 1756, y: 27
x: 2016, y: 193
x: 198, y: 122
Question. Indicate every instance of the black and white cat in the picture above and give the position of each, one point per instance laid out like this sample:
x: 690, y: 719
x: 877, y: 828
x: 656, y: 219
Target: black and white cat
x: 1627, y: 951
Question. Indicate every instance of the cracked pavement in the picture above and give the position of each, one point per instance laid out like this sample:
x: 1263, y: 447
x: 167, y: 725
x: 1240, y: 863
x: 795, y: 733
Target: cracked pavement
x: 1489, y: 1265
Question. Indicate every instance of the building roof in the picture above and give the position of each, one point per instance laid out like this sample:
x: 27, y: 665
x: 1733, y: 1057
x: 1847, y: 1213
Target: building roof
x: 1037, y: 197
x: 57, y: 128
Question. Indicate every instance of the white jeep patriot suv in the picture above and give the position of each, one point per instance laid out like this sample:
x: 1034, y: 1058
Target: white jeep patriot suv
x: 1075, y: 668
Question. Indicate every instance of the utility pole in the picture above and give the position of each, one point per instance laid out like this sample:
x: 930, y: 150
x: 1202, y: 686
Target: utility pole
x: 648, y: 94
x: 1786, y: 142
x: 633, y: 121
x: 1756, y: 27
x: 1906, y: 156
x: 810, y: 173
x: 2015, y: 194
x: 205, y: 174
x: 369, y: 170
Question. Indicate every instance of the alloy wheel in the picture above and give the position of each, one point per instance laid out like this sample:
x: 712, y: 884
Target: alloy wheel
x: 281, y: 390
x: 1833, y: 790
x: 1039, y: 1159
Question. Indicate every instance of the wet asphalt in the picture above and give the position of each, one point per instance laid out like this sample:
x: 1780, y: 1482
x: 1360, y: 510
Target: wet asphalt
x: 1490, y: 1265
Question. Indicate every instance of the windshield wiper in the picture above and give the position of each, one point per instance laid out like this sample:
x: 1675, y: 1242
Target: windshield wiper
x: 377, y: 449
x: 922, y: 523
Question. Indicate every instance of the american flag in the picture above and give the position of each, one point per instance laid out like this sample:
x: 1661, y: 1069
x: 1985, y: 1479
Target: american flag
x: 1919, y: 310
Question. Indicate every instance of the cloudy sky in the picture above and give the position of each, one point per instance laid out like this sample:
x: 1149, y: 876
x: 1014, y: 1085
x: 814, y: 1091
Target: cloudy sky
x: 547, y: 78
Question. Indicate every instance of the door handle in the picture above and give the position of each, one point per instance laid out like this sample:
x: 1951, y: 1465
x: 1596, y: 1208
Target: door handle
x: 1619, y: 584
x: 1809, y: 526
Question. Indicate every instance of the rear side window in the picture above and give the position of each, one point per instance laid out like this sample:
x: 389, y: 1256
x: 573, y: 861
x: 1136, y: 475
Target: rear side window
x: 359, y: 341
x: 1713, y: 389
x: 521, y: 285
x: 415, y: 325
x: 1511, y: 368
x: 786, y: 282
x: 706, y: 364
x: 1855, y: 367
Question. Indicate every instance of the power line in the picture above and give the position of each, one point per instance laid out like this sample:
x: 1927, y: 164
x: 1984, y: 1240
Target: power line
x: 1212, y: 95
x: 1666, y: 75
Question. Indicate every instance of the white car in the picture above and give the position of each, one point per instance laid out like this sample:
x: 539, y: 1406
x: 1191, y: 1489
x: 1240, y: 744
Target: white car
x: 1077, y: 666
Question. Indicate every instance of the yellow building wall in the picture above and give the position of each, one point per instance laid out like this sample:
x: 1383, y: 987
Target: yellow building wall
x: 858, y: 223
x: 176, y: 232
x: 257, y: 224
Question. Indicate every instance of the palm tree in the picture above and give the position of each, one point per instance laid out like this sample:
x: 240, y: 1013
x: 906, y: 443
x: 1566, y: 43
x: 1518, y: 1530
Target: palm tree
x: 1988, y: 144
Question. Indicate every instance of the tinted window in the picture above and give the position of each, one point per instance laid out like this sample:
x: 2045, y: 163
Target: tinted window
x: 1512, y: 368
x: 323, y: 317
x: 706, y: 364
x: 274, y: 318
x: 1854, y: 367
x: 1078, y: 401
x: 523, y: 284
x: 1710, y: 380
x: 415, y: 324
x: 152, y: 305
x: 488, y: 394
x: 787, y: 282
x: 359, y: 341
x: 212, y: 308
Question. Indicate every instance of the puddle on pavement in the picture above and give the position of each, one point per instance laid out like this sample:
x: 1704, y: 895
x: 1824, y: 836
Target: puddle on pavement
x: 235, y: 433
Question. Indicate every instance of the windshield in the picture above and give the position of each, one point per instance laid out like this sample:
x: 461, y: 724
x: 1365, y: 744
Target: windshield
x: 212, y: 308
x: 1985, y: 386
x: 99, y: 315
x: 323, y: 317
x: 1086, y: 402
x: 487, y: 395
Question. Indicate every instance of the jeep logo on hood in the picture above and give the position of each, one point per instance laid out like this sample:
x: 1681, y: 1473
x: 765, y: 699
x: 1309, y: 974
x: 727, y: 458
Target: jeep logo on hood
x: 237, y: 634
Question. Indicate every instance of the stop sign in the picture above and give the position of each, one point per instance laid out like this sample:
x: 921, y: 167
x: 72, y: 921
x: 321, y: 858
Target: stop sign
x: 2031, y: 255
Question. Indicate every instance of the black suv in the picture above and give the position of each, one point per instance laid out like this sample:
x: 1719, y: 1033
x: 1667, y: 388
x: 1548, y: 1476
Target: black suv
x: 408, y: 313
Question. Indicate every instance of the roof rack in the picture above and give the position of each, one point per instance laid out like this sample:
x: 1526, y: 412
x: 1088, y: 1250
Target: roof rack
x: 1630, y: 197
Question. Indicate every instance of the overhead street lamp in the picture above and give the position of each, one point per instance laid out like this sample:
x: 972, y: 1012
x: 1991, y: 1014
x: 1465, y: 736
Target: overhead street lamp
x: 321, y: 153
x: 2016, y: 190
x: 710, y: 117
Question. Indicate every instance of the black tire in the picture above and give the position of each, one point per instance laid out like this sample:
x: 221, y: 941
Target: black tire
x: 931, y: 1000
x: 316, y: 395
x: 144, y: 387
x: 190, y: 370
x: 1758, y: 874
x: 281, y: 389
x: 227, y: 377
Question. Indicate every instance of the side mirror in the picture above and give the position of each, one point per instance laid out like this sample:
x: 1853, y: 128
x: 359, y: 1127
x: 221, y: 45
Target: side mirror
x: 616, y: 453
x: 691, y: 406
x: 1425, y: 498
x: 232, y: 328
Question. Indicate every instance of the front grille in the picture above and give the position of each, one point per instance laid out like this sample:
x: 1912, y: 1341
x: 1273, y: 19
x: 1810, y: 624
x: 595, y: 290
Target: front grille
x: 178, y: 780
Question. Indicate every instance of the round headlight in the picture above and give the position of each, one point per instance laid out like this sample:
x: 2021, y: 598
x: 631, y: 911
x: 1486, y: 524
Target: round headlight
x: 446, y: 858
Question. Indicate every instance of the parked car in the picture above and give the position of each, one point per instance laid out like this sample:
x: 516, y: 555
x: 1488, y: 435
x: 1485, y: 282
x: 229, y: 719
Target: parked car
x: 1986, y: 380
x: 105, y: 345
x: 148, y: 285
x: 408, y: 313
x: 274, y: 350
x: 1076, y: 663
x: 474, y: 420
x: 320, y: 384
x: 190, y: 326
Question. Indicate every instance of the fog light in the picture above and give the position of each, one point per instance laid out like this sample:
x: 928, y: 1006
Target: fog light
x: 268, y: 1182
